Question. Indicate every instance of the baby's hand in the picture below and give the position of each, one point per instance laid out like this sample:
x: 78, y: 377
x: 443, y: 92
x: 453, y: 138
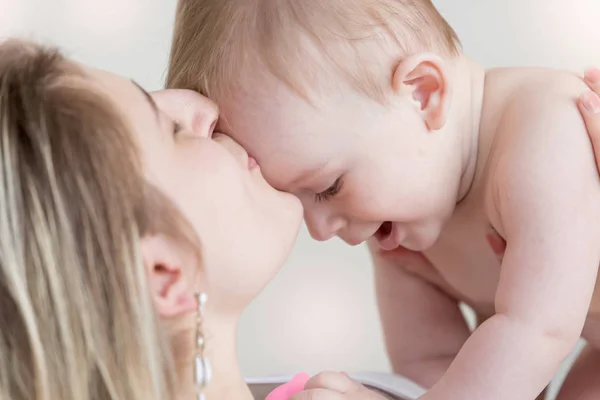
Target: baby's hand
x: 335, y: 386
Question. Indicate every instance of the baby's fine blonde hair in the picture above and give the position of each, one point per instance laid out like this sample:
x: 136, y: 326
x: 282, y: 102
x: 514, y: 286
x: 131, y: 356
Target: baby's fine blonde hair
x: 221, y: 45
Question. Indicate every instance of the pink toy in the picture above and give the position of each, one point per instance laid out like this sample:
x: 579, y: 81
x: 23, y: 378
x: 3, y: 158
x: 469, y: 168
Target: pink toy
x: 287, y: 390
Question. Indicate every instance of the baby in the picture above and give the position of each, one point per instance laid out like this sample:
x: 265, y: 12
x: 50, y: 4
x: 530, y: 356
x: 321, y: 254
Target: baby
x: 470, y: 185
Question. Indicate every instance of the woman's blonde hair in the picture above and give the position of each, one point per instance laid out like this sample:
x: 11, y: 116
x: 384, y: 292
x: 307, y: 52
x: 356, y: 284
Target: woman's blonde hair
x: 76, y: 317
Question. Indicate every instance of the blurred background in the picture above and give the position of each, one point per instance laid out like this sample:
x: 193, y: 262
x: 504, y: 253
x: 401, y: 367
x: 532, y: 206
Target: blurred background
x: 320, y: 311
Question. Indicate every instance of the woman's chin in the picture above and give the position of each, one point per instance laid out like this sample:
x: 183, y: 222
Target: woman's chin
x: 243, y: 276
x: 295, y: 211
x: 280, y: 249
x: 286, y: 219
x: 259, y: 249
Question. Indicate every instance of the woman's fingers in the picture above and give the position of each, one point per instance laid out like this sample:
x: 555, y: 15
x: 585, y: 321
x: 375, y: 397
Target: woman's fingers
x: 589, y: 106
x: 590, y: 102
x: 592, y: 78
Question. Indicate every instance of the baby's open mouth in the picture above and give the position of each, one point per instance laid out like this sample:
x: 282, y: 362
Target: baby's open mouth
x: 384, y: 231
x: 387, y: 236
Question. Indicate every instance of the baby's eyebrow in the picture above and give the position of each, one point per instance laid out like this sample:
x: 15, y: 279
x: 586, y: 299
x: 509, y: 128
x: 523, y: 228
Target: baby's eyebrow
x: 309, y: 175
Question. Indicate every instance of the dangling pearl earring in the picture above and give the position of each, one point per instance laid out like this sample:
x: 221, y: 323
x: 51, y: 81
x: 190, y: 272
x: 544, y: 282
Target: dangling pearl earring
x: 202, y: 369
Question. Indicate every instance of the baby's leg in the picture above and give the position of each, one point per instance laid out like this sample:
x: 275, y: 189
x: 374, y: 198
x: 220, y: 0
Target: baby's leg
x: 583, y: 381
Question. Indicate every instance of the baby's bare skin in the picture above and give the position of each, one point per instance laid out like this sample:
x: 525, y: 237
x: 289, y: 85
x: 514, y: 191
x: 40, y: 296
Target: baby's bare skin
x: 512, y: 157
x: 465, y: 264
x: 467, y: 258
x: 382, y: 130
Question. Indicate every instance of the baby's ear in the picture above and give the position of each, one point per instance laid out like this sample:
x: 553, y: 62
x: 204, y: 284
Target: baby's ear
x: 171, y: 291
x: 424, y: 77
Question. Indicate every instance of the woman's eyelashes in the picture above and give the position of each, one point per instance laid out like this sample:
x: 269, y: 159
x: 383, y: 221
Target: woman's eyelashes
x: 330, y: 192
x: 176, y: 128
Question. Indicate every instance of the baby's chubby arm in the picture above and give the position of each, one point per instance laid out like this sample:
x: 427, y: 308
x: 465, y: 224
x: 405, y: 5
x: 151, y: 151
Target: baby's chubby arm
x: 423, y: 326
x: 548, y: 200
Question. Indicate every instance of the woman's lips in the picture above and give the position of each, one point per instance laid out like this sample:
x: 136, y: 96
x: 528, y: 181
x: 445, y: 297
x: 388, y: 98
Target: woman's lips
x: 252, y: 164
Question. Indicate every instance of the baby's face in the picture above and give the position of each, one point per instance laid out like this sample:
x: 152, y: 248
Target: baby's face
x: 361, y: 169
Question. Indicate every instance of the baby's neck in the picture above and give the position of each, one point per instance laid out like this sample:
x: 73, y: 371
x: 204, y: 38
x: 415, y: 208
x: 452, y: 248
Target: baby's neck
x: 465, y: 116
x: 221, y: 350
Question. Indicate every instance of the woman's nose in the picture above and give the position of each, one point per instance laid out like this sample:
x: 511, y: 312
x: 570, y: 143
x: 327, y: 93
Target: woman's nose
x: 205, y: 117
x: 194, y: 112
x: 321, y: 224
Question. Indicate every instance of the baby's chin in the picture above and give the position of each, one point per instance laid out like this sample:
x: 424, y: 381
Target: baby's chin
x: 424, y: 238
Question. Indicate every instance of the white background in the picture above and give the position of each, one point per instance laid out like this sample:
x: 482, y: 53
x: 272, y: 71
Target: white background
x: 320, y: 311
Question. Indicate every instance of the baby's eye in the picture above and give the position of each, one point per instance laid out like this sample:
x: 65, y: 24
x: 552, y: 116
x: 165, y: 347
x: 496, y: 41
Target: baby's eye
x: 330, y: 191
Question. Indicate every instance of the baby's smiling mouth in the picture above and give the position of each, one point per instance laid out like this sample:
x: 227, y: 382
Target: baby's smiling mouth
x: 388, y: 236
x: 384, y: 231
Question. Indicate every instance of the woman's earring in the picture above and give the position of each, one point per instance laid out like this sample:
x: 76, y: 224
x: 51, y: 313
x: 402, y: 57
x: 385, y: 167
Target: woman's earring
x: 202, y: 369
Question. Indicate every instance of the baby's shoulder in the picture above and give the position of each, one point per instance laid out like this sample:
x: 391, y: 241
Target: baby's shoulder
x: 540, y: 99
x: 540, y: 139
x: 540, y: 117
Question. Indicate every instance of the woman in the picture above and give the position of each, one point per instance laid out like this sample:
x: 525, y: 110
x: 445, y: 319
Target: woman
x: 118, y: 211
x: 590, y: 109
x: 121, y: 213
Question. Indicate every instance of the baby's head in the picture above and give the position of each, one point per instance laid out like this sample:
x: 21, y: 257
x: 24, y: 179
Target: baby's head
x: 344, y: 103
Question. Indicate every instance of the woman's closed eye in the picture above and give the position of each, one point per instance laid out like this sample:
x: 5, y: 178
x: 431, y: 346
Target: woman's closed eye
x: 177, y: 128
x: 330, y: 192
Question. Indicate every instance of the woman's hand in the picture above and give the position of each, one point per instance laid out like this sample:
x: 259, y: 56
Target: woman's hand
x: 589, y: 105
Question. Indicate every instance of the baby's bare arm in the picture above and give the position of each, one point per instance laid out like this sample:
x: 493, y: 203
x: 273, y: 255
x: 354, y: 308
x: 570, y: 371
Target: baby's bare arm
x: 424, y: 328
x: 548, y: 197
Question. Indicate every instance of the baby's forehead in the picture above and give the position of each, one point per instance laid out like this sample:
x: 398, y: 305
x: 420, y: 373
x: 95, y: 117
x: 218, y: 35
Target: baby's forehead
x: 288, y: 170
x: 295, y: 181
x: 286, y: 162
x: 290, y: 123
x: 271, y: 128
x: 288, y: 136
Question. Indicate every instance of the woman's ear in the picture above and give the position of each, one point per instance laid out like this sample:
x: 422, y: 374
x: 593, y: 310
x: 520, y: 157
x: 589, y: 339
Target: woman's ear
x: 171, y: 287
x: 424, y: 77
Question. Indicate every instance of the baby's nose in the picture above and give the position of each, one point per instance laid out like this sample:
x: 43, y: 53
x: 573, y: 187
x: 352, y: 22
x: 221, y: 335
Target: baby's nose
x: 322, y: 226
